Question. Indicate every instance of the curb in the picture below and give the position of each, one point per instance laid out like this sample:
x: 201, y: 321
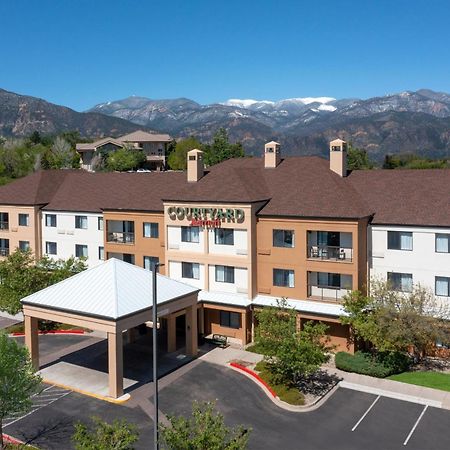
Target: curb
x: 118, y: 401
x: 40, y: 333
x: 250, y: 374
x: 390, y: 394
x: 11, y: 440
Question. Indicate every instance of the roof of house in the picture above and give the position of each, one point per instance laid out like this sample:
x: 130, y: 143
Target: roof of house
x: 144, y: 136
x: 297, y: 187
x: 405, y: 196
x: 35, y: 189
x: 113, y: 289
x: 91, y: 146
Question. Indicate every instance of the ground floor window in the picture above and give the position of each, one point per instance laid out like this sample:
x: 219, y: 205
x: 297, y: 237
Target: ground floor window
x: 150, y: 261
x: 24, y: 245
x: 283, y: 278
x: 225, y: 274
x: 190, y: 270
x: 230, y: 319
x: 443, y: 286
x: 402, y: 282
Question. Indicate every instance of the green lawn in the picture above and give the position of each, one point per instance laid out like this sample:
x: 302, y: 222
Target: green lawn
x: 436, y: 380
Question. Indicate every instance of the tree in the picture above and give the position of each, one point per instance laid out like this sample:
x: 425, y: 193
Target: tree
x: 18, y: 380
x: 61, y: 155
x: 205, y: 429
x: 178, y: 155
x: 124, y: 159
x: 358, y: 159
x: 21, y: 276
x: 118, y: 435
x: 290, y: 354
x: 397, y: 321
x: 221, y: 149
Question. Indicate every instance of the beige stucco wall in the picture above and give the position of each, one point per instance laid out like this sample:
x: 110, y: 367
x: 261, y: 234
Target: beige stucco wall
x: 16, y: 233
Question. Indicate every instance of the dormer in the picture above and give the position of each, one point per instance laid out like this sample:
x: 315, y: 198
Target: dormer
x: 195, y: 166
x: 338, y: 157
x: 272, y: 155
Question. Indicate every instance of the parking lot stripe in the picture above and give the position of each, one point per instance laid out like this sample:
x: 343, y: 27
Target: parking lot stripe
x: 415, y: 425
x: 365, y: 414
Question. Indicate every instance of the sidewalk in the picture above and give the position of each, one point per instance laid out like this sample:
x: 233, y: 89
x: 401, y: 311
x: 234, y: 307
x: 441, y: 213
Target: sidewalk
x: 363, y: 383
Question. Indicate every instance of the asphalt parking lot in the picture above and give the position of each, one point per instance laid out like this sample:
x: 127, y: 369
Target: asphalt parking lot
x: 349, y: 420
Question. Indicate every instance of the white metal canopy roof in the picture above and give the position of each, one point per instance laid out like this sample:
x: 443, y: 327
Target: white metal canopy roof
x: 114, y: 289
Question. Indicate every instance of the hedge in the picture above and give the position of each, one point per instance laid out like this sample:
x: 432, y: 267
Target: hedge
x: 379, y: 365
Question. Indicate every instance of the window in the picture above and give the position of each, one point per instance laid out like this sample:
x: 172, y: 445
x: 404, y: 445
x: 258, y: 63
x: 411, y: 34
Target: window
x: 4, y: 221
x: 402, y: 282
x: 443, y: 243
x: 225, y: 274
x: 50, y: 220
x: 81, y: 251
x: 51, y: 248
x: 283, y: 238
x: 331, y: 280
x: 4, y: 247
x: 100, y: 223
x: 230, y: 319
x: 151, y: 230
x: 101, y: 253
x: 190, y: 234
x: 283, y: 278
x: 150, y: 261
x: 24, y: 245
x: 81, y: 222
x: 400, y: 240
x: 24, y: 220
x: 443, y: 286
x: 128, y: 257
x: 224, y: 236
x: 190, y: 270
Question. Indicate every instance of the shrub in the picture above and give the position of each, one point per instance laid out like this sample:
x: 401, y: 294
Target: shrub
x: 379, y: 365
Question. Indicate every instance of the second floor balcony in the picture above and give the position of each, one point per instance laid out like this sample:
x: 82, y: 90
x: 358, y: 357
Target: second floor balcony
x: 326, y: 286
x: 330, y: 246
x: 120, y: 232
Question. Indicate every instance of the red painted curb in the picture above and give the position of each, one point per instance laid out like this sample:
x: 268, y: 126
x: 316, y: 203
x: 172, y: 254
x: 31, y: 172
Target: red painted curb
x: 11, y: 440
x: 254, y: 375
x: 19, y: 333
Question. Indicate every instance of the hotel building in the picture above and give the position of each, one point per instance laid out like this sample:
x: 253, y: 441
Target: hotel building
x: 249, y: 231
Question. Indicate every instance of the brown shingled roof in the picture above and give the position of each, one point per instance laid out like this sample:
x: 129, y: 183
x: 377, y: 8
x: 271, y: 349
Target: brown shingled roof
x: 405, y: 196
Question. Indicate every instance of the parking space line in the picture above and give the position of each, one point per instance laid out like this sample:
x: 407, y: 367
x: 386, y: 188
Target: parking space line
x: 365, y: 414
x: 37, y: 405
x: 415, y: 425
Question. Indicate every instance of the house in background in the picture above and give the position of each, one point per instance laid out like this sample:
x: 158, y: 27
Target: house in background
x: 153, y: 145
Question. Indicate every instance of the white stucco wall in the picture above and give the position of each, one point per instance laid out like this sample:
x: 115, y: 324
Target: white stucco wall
x: 175, y: 272
x: 423, y: 262
x: 67, y: 236
x: 174, y: 240
x: 240, y: 246
x: 240, y: 285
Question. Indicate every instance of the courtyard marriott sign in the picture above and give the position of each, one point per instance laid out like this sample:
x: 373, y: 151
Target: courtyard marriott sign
x: 206, y: 217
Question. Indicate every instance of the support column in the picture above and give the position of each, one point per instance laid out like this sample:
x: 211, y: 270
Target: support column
x: 201, y: 320
x: 245, y: 327
x: 171, y: 333
x: 191, y: 331
x: 115, y: 364
x: 32, y: 339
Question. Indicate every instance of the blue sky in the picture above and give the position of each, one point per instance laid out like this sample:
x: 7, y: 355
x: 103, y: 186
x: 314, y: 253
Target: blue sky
x: 82, y: 52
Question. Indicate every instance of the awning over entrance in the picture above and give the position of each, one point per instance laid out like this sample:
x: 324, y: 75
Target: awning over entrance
x: 112, y: 297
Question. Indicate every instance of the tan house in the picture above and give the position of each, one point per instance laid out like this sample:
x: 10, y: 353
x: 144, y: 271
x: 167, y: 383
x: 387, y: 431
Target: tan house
x: 153, y: 145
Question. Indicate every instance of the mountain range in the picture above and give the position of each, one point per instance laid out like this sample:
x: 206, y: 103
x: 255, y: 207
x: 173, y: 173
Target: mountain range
x: 396, y: 123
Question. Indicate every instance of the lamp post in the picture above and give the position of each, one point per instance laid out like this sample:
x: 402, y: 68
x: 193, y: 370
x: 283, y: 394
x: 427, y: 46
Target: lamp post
x: 155, y: 355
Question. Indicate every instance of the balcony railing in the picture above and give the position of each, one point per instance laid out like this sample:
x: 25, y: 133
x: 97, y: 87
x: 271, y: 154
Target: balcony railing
x: 4, y: 251
x: 328, y: 293
x: 330, y: 253
x: 4, y: 225
x: 121, y: 237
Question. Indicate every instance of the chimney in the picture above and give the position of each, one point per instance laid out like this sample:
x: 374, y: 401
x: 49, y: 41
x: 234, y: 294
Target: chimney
x: 272, y: 156
x: 338, y: 157
x: 195, y: 167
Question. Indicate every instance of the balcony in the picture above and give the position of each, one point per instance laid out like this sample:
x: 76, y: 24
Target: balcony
x: 330, y: 246
x: 326, y: 293
x: 120, y: 231
x: 330, y: 253
x: 120, y: 237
